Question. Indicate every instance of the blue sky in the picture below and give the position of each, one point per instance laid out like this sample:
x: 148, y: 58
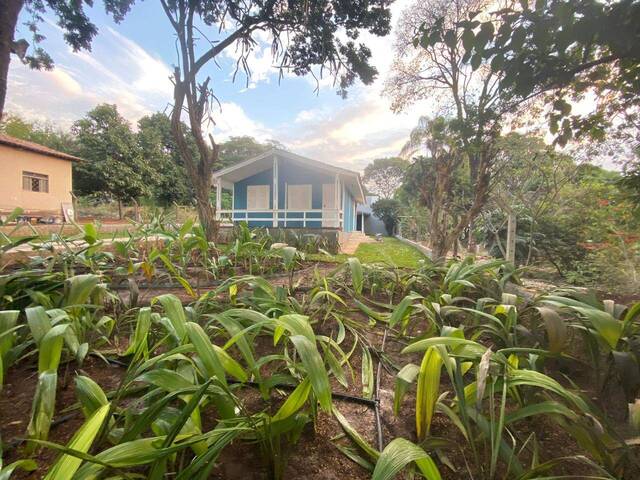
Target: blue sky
x: 130, y: 63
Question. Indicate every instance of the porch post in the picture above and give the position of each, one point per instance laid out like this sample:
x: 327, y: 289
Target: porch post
x: 336, y: 203
x: 274, y: 210
x: 218, y: 197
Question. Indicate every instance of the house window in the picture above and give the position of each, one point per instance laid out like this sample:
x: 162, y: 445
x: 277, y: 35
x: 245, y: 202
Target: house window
x: 35, y: 182
x: 258, y: 197
x: 298, y: 197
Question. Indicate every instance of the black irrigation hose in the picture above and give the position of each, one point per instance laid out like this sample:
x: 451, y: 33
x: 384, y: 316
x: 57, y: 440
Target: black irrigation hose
x: 377, y: 394
x: 284, y: 386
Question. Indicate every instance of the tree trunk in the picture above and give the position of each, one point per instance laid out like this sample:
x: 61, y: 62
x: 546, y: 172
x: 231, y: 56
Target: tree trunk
x: 199, y: 171
x: 8, y: 19
x: 119, y: 209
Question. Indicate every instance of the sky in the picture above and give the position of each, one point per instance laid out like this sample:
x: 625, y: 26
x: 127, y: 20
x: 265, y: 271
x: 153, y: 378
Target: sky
x: 130, y: 63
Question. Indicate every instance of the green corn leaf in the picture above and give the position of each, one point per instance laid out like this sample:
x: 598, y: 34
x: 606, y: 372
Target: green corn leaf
x: 428, y: 390
x: 51, y: 348
x: 26, y: 465
x: 90, y: 395
x: 367, y: 374
x: 556, y: 329
x: 38, y: 321
x: 44, y: 402
x: 8, y: 319
x: 206, y: 352
x: 232, y: 367
x: 295, y: 401
x: 174, y: 311
x: 138, y: 342
x: 403, y: 309
x: 67, y: 465
x: 357, y: 276
x: 297, y: 325
x: 168, y: 380
x: 405, y: 377
x: 397, y: 455
x: 79, y: 289
x: 314, y: 366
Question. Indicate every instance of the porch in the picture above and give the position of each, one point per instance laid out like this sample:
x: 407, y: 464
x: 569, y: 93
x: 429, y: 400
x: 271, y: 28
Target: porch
x: 314, y: 218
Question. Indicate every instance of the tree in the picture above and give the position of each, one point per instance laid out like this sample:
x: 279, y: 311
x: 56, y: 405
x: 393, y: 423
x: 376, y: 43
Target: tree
x: 318, y: 33
x: 434, y: 68
x: 42, y: 133
x: 383, y: 176
x: 531, y: 177
x: 561, y: 51
x: 442, y: 169
x: 113, y: 163
x: 158, y: 148
x: 72, y: 19
x: 387, y: 210
x: 238, y: 149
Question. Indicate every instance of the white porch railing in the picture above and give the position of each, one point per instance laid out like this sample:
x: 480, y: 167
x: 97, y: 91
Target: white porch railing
x: 315, y: 218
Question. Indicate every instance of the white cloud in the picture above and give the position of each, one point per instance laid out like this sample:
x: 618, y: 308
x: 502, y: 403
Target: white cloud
x: 117, y: 71
x: 231, y: 120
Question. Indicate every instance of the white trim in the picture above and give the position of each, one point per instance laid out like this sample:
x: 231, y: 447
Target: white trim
x: 219, y: 194
x: 274, y: 181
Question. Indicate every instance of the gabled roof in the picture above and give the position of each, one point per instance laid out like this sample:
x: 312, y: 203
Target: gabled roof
x: 35, y: 147
x: 242, y: 169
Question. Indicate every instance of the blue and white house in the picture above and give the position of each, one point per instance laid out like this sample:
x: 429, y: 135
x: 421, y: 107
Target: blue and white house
x: 282, y: 189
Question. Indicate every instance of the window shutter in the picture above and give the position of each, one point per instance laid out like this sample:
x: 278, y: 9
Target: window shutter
x: 258, y: 197
x: 299, y: 197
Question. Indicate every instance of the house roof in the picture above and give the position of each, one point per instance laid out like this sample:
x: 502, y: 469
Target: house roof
x: 244, y: 169
x: 35, y: 147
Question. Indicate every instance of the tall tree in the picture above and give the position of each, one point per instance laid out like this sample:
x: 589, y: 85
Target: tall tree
x: 113, y: 163
x: 318, y: 33
x: 158, y: 148
x: 561, y: 51
x: 434, y: 68
x: 383, y: 176
x: 72, y: 19
x: 440, y: 186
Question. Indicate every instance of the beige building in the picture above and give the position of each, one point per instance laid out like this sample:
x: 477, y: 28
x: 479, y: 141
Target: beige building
x: 34, y: 177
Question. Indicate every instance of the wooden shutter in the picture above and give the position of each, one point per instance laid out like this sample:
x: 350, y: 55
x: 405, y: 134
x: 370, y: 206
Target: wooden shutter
x: 258, y: 197
x: 298, y: 197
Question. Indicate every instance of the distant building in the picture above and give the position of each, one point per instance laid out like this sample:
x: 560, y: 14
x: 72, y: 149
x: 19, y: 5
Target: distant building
x: 285, y: 190
x: 35, y: 178
x: 367, y: 221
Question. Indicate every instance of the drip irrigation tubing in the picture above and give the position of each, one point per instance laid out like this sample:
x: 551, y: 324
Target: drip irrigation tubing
x: 377, y: 394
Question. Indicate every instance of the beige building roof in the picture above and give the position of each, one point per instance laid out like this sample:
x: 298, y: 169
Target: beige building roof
x: 35, y: 147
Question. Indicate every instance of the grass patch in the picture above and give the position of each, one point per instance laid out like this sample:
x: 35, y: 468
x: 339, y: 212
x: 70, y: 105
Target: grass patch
x: 391, y: 251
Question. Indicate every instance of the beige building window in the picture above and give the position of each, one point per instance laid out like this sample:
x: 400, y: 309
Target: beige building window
x: 35, y: 182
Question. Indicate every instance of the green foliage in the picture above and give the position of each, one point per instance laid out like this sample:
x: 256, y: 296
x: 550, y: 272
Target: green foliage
x: 113, y: 162
x: 384, y: 176
x: 387, y: 210
x: 158, y: 148
x: 558, y: 47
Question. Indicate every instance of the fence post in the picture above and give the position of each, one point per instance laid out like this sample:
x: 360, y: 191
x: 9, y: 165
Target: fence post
x: 511, y: 237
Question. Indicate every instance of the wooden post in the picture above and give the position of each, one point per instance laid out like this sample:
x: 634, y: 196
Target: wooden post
x: 511, y: 237
x: 274, y: 210
x: 218, y: 197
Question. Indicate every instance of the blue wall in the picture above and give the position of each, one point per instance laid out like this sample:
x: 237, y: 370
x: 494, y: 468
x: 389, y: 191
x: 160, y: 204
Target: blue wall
x: 240, y: 198
x: 293, y: 174
x: 348, y: 207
